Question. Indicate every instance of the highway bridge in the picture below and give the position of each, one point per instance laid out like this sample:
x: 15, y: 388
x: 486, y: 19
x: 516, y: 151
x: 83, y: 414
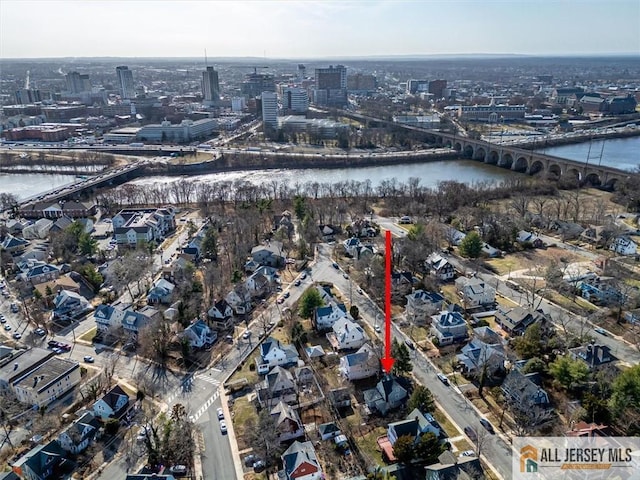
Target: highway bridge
x: 111, y: 176
x: 513, y: 157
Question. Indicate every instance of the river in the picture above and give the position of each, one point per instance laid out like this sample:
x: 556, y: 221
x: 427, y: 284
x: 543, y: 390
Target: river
x: 621, y: 153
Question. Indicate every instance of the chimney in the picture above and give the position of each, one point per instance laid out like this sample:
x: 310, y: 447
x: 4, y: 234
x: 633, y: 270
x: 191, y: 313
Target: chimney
x: 35, y: 381
x: 15, y: 366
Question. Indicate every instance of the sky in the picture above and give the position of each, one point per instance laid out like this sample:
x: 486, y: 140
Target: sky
x: 316, y: 29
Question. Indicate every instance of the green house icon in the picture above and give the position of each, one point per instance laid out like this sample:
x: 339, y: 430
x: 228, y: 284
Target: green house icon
x: 531, y: 466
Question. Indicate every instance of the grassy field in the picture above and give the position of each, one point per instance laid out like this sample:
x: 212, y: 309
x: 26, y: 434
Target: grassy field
x: 242, y: 412
x: 88, y: 335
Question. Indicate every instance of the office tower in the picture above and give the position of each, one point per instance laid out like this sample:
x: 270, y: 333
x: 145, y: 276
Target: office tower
x: 25, y: 96
x: 256, y: 83
x: 417, y: 86
x: 78, y: 83
x: 302, y: 70
x: 125, y: 82
x: 270, y: 109
x: 331, y: 86
x: 436, y: 88
x: 210, y: 85
x: 295, y: 99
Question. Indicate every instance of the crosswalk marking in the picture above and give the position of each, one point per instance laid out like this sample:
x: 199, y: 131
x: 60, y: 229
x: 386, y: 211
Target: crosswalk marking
x: 204, y: 407
x: 208, y: 379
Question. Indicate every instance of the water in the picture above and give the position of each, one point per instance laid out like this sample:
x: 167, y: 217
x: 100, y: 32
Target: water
x: 622, y: 153
x: 430, y: 174
x: 24, y: 185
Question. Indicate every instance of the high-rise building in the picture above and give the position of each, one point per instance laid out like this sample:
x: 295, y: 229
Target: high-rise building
x: 256, y: 83
x: 331, y: 86
x: 362, y: 83
x: 270, y: 109
x: 125, y: 82
x: 25, y: 96
x: 295, y: 99
x: 302, y: 71
x: 436, y: 88
x: 417, y: 86
x: 210, y: 85
x: 78, y: 83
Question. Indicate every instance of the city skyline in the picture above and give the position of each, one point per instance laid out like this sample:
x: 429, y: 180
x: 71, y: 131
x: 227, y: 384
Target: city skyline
x: 310, y: 29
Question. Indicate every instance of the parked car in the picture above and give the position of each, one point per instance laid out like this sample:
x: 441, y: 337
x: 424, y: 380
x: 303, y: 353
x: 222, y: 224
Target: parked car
x: 443, y: 378
x: 88, y: 359
x: 303, y: 276
x: 468, y: 453
x: 220, y: 414
x: 178, y: 470
x: 297, y: 283
x: 486, y: 424
x: 223, y: 426
x: 246, y: 334
x: 17, y: 336
x: 335, y: 265
x: 40, y: 331
x: 410, y: 344
x: 7, y: 327
x: 249, y: 460
x: 14, y: 308
x: 471, y: 433
x: 601, y: 331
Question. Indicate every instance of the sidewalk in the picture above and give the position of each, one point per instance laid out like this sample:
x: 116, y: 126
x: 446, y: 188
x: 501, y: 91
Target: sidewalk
x: 237, y: 462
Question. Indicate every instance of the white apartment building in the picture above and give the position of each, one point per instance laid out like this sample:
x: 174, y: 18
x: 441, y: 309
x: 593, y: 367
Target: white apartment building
x: 270, y: 109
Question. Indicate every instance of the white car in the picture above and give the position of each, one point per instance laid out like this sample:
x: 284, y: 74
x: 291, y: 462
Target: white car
x: 220, y: 414
x: 223, y: 426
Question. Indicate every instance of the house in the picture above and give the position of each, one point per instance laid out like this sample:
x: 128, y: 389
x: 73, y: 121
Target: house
x: 325, y: 317
x: 529, y: 238
x: 161, y: 291
x: 454, y: 237
x: 299, y: 462
x: 440, y: 267
x: 48, y: 382
x: 329, y: 232
x: 44, y: 462
x: 314, y: 351
x: 278, y: 385
x: 221, y: 315
x: 340, y: 397
x: 273, y: 353
x: 523, y: 392
x: 287, y: 422
x: 79, y: 434
x: 351, y: 246
x: 258, y: 285
x: 36, y: 272
x: 450, y: 467
x: 422, y: 304
x: 346, y: 335
x: 592, y: 355
x: 362, y: 364
x: 283, y: 222
x: 271, y: 254
x: 490, y: 251
x: 114, y: 404
x: 415, y: 425
x: 516, y: 320
x: 600, y: 290
x: 449, y: 327
x: 475, y: 292
x: 14, y: 245
x: 362, y: 228
x: 110, y: 318
x: 69, y: 305
x: 567, y: 230
x: 239, y: 299
x: 485, y: 352
x: 402, y: 282
x: 69, y: 208
x: 328, y: 430
x: 133, y: 226
x: 587, y: 430
x: 199, y: 335
x: 387, y: 395
x: 65, y: 282
x: 624, y: 246
x: 61, y: 224
x: 39, y: 229
x: 19, y: 363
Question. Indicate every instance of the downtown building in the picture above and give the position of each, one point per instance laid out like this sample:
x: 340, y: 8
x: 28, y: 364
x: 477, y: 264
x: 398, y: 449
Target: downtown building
x: 270, y: 109
x: 294, y: 99
x: 78, y: 82
x: 210, y: 86
x: 125, y: 82
x: 331, y: 86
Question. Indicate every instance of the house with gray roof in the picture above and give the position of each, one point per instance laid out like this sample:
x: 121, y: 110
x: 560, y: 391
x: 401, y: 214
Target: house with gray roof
x: 278, y: 385
x: 593, y: 355
x: 68, y: 305
x: 450, y: 467
x: 287, y: 421
x: 524, y: 392
x: 387, y: 395
x: 346, y: 335
x: 422, y: 304
x: 221, y: 315
x: 199, y: 335
x: 79, y: 434
x: 415, y: 425
x: 113, y: 404
x: 161, y: 291
x: 270, y: 254
x: 274, y: 353
x: 449, y: 327
x: 475, y: 292
x: 362, y: 364
x: 516, y: 320
x: 485, y: 352
x: 439, y: 266
x: 44, y: 462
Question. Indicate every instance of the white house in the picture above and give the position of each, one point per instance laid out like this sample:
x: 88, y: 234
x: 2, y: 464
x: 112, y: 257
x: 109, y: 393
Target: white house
x: 221, y: 314
x: 161, y: 291
x: 362, y: 364
x: 273, y: 353
x: 449, y: 327
x: 346, y: 335
x: 475, y: 292
x: 239, y: 299
x: 624, y: 246
x: 440, y: 267
x: 113, y: 404
x: 48, y: 382
x: 79, y: 434
x: 199, y: 334
x: 325, y: 317
x: 68, y: 304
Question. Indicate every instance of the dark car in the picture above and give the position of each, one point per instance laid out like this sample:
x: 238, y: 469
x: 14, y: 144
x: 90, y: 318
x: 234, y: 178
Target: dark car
x: 471, y: 433
x: 335, y: 265
x: 486, y: 424
x: 410, y: 344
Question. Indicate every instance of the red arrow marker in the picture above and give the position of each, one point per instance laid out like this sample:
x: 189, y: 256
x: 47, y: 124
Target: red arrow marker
x: 387, y: 360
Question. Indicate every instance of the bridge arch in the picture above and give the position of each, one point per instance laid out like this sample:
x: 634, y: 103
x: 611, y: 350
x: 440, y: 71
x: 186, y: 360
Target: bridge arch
x: 573, y: 174
x: 536, y: 167
x: 593, y: 179
x: 555, y: 171
x: 467, y: 152
x: 521, y: 165
x: 492, y: 157
x: 611, y: 183
x: 480, y: 154
x: 506, y: 160
x: 457, y: 147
